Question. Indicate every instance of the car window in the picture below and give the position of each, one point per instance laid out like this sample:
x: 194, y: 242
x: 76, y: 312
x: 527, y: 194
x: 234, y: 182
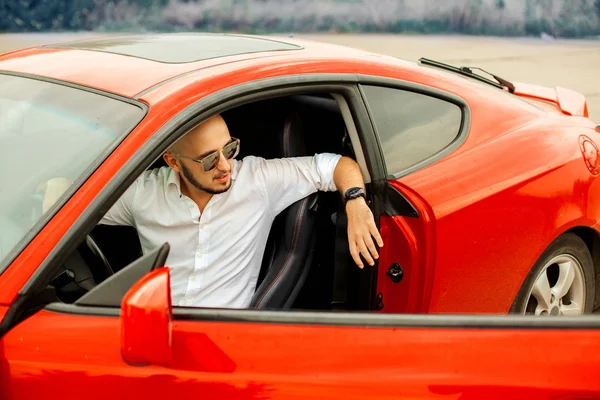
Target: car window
x: 50, y: 135
x: 411, y: 126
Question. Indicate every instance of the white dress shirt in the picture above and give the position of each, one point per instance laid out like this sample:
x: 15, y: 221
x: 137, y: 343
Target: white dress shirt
x: 215, y: 257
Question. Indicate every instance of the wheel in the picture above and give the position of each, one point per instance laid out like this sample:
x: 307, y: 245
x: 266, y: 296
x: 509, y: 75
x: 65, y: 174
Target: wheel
x: 560, y: 283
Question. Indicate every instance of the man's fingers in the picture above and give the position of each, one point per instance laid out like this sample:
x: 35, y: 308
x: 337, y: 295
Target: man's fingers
x: 375, y: 234
x: 363, y: 234
x: 354, y: 253
x: 371, y: 245
x: 364, y: 251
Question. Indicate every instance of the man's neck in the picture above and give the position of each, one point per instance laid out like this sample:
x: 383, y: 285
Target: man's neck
x: 200, y: 197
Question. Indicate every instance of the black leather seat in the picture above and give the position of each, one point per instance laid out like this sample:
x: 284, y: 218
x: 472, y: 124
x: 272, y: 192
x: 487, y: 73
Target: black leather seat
x: 291, y: 242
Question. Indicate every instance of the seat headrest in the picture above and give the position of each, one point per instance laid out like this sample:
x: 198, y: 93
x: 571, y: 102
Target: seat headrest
x: 292, y: 142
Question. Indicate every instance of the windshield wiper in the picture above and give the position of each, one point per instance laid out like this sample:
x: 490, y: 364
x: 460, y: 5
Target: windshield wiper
x: 468, y: 71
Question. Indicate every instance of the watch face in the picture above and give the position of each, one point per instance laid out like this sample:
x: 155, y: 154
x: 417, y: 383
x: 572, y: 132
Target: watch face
x: 352, y: 193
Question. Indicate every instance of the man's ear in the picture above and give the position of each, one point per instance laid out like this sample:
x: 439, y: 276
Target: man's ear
x: 171, y: 161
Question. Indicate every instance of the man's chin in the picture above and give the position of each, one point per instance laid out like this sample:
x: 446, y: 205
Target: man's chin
x: 221, y: 187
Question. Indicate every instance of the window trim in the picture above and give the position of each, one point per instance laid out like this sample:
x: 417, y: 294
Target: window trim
x: 461, y: 137
x: 354, y: 135
x: 217, y: 102
x: 202, y: 110
x: 172, y: 130
x: 39, y: 225
x: 351, y: 319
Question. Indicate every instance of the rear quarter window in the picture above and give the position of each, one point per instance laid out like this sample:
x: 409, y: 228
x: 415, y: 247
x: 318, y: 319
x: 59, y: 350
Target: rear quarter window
x: 412, y: 127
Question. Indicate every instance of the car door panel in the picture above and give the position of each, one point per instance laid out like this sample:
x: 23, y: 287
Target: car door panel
x: 65, y: 356
x: 356, y: 362
x: 409, y: 244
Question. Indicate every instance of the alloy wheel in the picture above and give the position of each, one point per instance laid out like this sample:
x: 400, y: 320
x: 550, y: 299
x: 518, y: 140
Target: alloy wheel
x: 559, y: 289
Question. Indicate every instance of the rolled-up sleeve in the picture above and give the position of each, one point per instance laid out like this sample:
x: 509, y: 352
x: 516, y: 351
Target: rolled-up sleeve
x: 121, y: 213
x: 326, y: 164
x: 287, y: 180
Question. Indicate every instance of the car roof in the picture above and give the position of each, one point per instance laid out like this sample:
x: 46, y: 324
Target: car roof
x: 179, y: 48
x: 128, y: 65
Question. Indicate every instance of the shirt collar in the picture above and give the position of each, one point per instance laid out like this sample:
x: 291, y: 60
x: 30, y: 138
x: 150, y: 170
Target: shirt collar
x: 173, y: 180
x: 234, y: 170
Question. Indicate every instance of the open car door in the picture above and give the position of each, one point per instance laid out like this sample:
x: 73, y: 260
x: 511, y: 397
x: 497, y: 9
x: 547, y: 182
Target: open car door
x: 147, y: 349
x: 407, y: 259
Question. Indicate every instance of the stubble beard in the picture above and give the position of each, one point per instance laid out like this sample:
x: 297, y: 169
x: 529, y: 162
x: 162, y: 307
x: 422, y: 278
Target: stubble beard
x: 190, y: 178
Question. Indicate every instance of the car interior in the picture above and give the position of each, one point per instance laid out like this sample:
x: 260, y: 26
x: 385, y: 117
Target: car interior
x: 299, y: 269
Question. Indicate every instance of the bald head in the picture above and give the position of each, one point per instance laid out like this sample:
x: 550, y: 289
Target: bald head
x: 211, y: 128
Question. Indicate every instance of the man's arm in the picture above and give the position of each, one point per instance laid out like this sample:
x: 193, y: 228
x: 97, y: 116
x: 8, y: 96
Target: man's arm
x: 121, y: 213
x: 288, y: 180
x: 361, y: 222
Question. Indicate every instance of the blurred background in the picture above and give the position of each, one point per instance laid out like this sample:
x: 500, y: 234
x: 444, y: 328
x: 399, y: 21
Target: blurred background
x: 548, y: 42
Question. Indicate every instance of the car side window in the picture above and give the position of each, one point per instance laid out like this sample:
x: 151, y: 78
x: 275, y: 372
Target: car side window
x: 411, y: 126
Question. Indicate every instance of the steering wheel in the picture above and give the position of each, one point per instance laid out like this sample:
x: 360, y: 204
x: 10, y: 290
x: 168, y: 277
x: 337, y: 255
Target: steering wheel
x: 81, y: 272
x: 85, y: 266
x: 100, y: 258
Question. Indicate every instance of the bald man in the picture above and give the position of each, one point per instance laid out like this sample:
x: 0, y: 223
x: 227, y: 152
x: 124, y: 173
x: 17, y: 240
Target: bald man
x: 216, y: 212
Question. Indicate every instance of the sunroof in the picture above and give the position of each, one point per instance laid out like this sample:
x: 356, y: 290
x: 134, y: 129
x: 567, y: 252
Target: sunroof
x: 179, y: 48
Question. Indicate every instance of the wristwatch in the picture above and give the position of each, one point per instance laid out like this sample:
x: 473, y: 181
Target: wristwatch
x: 354, y: 193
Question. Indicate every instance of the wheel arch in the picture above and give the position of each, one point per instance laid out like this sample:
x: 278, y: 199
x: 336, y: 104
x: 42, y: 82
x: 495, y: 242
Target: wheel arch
x: 591, y: 237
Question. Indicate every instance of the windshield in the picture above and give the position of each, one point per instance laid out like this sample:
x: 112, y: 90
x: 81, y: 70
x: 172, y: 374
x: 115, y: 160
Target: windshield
x: 50, y: 136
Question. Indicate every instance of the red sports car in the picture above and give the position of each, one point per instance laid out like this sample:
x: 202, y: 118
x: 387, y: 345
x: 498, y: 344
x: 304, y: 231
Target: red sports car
x: 485, y: 191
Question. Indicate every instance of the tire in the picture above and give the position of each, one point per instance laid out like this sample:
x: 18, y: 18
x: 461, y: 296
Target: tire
x: 567, y: 253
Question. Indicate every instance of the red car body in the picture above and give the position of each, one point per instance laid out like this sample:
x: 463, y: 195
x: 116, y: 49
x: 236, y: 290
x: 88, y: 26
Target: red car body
x: 487, y: 211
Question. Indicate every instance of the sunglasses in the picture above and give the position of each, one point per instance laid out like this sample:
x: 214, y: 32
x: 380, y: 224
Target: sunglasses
x: 231, y: 150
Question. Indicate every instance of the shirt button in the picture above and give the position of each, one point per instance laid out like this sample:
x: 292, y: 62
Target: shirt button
x: 201, y: 226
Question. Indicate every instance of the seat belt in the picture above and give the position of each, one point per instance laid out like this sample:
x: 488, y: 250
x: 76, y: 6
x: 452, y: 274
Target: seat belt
x: 340, y: 264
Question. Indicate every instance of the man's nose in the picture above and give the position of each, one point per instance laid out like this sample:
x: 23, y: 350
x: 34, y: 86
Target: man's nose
x: 223, y: 165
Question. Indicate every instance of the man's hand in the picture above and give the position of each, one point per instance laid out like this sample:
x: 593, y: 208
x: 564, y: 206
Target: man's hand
x: 361, y: 232
x: 361, y: 223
